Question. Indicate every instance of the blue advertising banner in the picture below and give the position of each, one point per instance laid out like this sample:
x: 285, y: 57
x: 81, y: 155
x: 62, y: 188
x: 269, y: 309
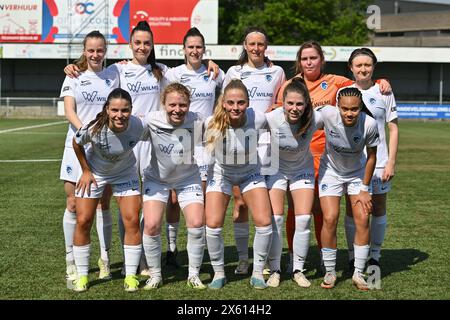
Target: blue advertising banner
x: 423, y: 111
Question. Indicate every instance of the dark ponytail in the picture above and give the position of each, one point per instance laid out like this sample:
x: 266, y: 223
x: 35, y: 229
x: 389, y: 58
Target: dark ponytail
x: 151, y: 60
x: 298, y: 85
x: 101, y: 120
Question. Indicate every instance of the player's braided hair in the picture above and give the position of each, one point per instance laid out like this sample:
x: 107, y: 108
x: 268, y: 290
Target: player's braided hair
x: 151, y: 60
x: 354, y: 92
x: 220, y: 120
x: 82, y: 63
x: 101, y: 120
x: 298, y: 85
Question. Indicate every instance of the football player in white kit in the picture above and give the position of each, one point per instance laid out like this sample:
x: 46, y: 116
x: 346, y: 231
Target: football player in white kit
x: 349, y: 130
x: 383, y: 107
x: 262, y: 82
x: 83, y: 99
x: 109, y: 161
x: 291, y: 129
x: 232, y: 133
x: 194, y: 75
x: 174, y: 132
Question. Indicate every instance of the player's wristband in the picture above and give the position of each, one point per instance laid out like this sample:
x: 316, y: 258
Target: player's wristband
x: 364, y: 187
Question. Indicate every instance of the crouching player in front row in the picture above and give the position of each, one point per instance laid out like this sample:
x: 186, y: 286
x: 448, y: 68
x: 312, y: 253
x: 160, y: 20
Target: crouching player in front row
x: 110, y: 160
x: 349, y: 129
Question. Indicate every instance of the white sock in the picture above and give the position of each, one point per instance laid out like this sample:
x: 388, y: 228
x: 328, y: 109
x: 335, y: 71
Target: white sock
x: 276, y: 245
x: 214, y: 241
x: 261, y: 247
x: 171, y: 235
x: 69, y: 223
x: 377, y: 232
x: 361, y: 254
x: 152, y: 249
x: 81, y: 255
x: 132, y: 256
x: 241, y: 235
x: 104, y: 230
x: 301, y: 240
x: 195, y: 249
x: 329, y: 259
x: 350, y: 230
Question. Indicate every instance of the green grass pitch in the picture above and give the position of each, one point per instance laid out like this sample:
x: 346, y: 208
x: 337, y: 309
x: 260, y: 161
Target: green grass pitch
x: 415, y: 254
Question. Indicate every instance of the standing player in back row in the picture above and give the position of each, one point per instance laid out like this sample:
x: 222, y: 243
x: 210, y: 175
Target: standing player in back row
x: 262, y: 82
x: 383, y: 107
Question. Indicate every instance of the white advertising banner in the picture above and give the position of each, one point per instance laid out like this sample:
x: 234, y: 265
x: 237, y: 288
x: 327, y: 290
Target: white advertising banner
x: 225, y: 52
x: 20, y: 21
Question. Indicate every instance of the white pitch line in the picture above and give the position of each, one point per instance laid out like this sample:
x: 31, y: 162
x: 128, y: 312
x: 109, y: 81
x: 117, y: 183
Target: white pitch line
x: 30, y: 160
x: 32, y: 127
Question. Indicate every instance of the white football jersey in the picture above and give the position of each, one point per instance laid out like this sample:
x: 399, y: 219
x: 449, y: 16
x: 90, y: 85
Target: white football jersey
x: 384, y: 109
x: 111, y: 153
x: 142, y: 85
x: 294, y: 152
x: 237, y: 152
x: 90, y: 91
x: 344, y: 150
x: 262, y: 83
x: 172, y: 158
x: 201, y: 85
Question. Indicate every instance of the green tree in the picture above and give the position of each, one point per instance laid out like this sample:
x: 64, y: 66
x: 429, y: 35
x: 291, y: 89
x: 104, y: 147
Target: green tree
x: 291, y: 22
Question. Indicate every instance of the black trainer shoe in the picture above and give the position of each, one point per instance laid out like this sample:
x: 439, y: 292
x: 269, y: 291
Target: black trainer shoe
x: 351, y: 266
x: 171, y: 259
x: 373, y: 262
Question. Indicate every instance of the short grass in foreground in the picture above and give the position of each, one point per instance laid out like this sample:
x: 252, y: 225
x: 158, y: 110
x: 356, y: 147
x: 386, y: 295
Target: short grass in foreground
x: 415, y: 255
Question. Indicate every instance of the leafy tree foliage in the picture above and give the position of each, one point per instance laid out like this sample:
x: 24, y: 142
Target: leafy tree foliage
x: 291, y: 22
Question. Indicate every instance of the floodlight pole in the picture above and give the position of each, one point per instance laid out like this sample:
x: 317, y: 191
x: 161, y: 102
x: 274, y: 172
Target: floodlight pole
x: 441, y: 84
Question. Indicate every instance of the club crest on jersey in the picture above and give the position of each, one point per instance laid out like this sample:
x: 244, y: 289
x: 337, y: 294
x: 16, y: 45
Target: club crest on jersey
x: 324, y: 85
x: 268, y: 77
x: 206, y: 78
x: 356, y: 139
x: 372, y: 100
x: 108, y: 82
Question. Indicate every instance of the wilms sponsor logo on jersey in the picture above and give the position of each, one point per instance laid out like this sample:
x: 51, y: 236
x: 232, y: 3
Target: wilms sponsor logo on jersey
x: 92, y: 96
x: 136, y: 87
x: 200, y: 95
x: 253, y: 93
